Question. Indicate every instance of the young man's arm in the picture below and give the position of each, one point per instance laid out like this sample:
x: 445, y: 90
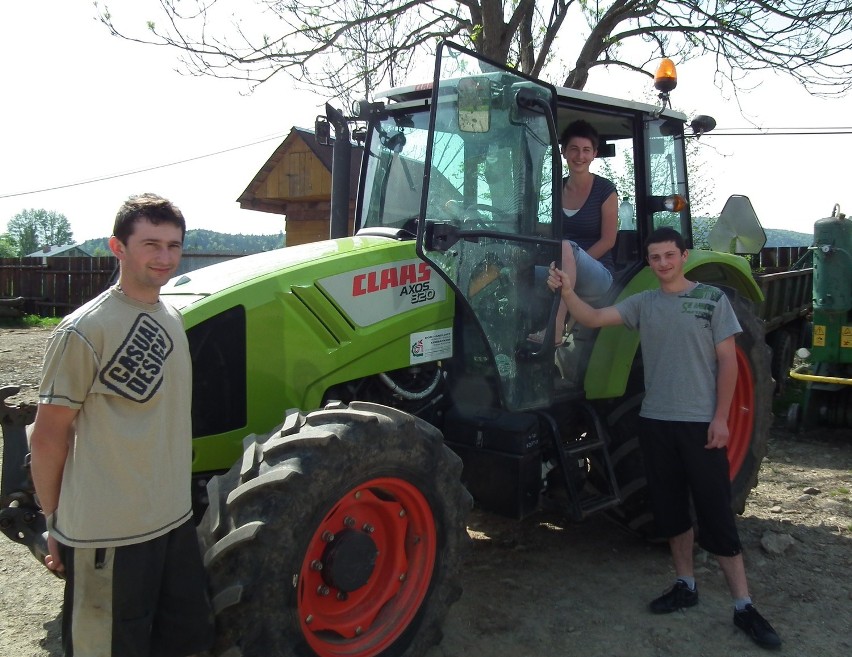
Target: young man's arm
x: 49, y: 444
x: 726, y: 381
x: 579, y: 309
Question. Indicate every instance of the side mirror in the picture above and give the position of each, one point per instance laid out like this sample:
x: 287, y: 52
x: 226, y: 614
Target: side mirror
x: 322, y: 131
x: 701, y: 124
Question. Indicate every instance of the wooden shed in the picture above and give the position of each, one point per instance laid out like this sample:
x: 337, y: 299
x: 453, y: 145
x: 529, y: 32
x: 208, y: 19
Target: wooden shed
x: 296, y: 181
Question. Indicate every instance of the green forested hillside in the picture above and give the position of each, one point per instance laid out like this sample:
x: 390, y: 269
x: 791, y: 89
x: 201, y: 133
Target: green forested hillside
x: 779, y: 237
x: 207, y: 241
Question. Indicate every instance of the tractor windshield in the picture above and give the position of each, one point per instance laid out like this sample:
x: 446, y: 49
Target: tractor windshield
x: 488, y: 174
x: 396, y: 150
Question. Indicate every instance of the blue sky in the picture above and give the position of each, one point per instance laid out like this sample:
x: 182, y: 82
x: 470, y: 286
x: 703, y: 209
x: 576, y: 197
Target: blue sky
x: 82, y: 105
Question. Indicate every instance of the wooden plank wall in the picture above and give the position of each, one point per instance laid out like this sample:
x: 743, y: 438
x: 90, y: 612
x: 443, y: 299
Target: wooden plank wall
x: 298, y: 176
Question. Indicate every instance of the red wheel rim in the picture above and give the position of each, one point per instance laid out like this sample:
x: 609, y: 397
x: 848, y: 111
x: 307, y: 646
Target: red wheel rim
x: 366, y: 621
x: 741, y: 417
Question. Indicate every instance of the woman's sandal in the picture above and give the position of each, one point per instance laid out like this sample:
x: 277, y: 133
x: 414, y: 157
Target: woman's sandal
x: 538, y: 338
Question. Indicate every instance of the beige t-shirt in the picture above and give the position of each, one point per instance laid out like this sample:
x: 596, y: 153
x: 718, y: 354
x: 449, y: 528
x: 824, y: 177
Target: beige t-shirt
x: 125, y: 365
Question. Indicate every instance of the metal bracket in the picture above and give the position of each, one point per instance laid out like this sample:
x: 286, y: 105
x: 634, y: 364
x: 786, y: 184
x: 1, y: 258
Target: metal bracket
x: 21, y: 518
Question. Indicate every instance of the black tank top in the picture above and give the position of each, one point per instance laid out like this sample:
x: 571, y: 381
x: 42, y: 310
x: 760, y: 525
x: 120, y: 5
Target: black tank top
x: 584, y: 227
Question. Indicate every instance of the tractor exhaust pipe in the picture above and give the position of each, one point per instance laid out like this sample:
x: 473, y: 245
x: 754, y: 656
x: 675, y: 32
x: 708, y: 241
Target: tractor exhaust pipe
x: 340, y: 173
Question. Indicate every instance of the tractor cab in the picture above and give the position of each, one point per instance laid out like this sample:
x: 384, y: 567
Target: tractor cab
x: 471, y: 167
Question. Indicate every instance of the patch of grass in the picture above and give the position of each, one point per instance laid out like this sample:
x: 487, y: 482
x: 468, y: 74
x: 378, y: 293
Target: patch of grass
x: 29, y: 321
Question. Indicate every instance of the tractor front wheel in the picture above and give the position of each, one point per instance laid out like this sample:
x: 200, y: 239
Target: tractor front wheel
x: 338, y: 535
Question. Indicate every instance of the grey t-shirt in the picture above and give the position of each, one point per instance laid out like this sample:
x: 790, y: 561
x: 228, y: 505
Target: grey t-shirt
x: 679, y: 333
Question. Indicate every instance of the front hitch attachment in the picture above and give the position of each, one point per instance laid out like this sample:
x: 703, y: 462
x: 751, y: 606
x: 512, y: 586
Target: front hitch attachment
x: 21, y: 518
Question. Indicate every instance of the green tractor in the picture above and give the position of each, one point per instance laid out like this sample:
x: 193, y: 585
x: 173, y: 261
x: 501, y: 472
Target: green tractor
x: 341, y: 532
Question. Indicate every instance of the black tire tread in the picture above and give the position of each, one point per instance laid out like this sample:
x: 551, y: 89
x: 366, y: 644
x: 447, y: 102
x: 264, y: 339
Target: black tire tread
x: 263, y: 511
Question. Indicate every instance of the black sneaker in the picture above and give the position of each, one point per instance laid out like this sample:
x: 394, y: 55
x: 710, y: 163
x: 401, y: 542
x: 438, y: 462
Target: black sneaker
x: 679, y: 597
x: 757, y: 627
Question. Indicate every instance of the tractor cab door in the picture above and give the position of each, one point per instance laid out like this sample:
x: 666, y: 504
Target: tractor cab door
x: 489, y: 223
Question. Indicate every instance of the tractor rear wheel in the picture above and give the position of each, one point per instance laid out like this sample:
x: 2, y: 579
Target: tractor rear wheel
x: 751, y: 409
x: 340, y: 534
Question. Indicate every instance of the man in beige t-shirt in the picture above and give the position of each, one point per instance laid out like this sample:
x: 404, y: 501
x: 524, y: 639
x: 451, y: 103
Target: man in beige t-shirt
x: 111, y: 456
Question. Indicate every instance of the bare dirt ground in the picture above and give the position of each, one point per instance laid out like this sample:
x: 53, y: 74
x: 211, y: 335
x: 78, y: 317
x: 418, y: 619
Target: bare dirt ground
x: 549, y: 587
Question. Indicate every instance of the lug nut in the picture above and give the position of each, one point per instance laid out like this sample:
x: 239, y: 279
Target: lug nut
x: 316, y: 564
x: 323, y: 590
x: 369, y: 528
x: 342, y: 596
x: 349, y: 521
x: 327, y: 536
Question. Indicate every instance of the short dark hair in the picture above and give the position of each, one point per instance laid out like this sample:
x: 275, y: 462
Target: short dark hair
x: 665, y: 234
x: 154, y: 208
x: 580, y: 128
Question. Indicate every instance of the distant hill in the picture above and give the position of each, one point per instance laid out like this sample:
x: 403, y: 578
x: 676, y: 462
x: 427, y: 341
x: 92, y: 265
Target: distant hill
x: 207, y: 241
x: 779, y: 237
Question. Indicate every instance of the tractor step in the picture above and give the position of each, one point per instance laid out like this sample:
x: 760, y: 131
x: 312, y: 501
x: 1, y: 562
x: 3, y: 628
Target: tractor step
x: 592, y: 505
x: 584, y: 447
x: 573, y: 457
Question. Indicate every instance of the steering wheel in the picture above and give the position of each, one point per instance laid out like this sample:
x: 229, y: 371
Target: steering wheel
x: 471, y: 218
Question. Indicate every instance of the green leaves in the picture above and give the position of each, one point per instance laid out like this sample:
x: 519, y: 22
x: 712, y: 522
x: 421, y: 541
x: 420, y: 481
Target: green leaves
x: 35, y: 229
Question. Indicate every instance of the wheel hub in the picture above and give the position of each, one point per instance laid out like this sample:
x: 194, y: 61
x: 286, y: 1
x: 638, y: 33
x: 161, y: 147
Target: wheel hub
x: 348, y: 561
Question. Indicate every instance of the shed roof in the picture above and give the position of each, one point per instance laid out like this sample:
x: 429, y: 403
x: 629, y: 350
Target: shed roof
x: 249, y: 199
x: 50, y: 251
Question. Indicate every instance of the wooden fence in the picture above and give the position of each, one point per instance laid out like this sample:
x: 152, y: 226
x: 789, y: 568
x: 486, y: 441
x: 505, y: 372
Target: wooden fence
x: 780, y: 258
x: 53, y: 287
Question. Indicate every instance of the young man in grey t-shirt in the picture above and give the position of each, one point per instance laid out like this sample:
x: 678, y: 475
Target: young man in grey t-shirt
x: 687, y: 331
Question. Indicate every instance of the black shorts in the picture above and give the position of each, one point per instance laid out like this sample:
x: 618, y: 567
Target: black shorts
x: 143, y: 600
x: 678, y: 465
